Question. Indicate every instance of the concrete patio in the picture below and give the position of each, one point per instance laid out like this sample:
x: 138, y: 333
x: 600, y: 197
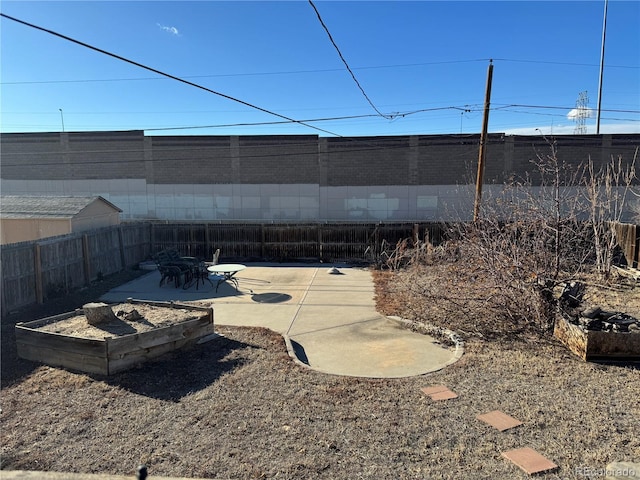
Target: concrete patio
x: 328, y: 320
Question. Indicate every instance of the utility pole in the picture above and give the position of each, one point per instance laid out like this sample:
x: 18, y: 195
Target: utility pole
x: 604, y: 35
x: 483, y: 141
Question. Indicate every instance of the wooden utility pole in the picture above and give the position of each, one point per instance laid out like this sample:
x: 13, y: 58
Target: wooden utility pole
x: 483, y: 141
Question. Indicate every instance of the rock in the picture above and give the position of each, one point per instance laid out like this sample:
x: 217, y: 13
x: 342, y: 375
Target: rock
x: 591, y: 312
x: 133, y: 316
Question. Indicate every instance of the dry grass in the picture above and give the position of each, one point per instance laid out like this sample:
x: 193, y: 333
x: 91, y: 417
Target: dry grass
x: 238, y: 407
x: 451, y: 296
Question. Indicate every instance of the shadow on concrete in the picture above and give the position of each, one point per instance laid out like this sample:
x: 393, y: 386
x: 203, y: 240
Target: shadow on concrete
x: 299, y: 352
x: 146, y: 288
x: 271, y: 297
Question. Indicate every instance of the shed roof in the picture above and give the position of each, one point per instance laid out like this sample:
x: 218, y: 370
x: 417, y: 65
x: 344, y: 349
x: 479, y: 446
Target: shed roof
x: 21, y: 206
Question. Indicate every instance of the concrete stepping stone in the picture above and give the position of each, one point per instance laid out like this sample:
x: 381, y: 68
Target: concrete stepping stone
x: 529, y: 460
x: 439, y: 392
x: 499, y: 420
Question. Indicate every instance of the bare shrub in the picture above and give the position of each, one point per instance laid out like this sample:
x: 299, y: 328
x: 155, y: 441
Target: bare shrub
x: 607, y: 192
x: 500, y: 275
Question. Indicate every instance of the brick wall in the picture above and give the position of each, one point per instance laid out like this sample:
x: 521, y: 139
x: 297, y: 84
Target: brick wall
x: 292, y: 159
x: 293, y: 177
x: 361, y: 161
x: 191, y: 160
x: 277, y: 159
x: 33, y: 156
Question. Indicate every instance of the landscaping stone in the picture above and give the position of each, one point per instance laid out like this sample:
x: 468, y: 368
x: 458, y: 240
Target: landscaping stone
x: 529, y: 460
x: 499, y: 420
x: 439, y: 392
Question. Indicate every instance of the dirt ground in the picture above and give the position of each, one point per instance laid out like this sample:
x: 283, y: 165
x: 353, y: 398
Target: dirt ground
x: 239, y: 407
x: 127, y: 319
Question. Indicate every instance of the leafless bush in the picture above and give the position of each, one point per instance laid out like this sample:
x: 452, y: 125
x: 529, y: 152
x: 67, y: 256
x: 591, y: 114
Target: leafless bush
x: 607, y: 192
x: 503, y: 272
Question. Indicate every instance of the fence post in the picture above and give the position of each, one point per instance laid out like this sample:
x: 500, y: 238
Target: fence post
x: 123, y: 257
x: 208, y: 251
x: 37, y: 270
x: 377, y: 249
x: 174, y: 236
x: 152, y: 246
x: 86, y: 260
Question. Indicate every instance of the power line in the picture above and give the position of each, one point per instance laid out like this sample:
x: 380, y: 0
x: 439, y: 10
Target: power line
x: 327, y: 119
x: 388, y: 117
x: 319, y: 70
x: 257, y: 124
x: 510, y: 108
x: 285, y: 122
x: 505, y: 105
x: 159, y: 72
x: 547, y: 62
x: 246, y: 74
x: 472, y: 107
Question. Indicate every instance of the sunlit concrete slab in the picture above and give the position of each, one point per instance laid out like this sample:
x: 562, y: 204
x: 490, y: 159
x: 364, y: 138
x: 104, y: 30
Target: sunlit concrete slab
x: 275, y: 317
x: 316, y: 318
x: 382, y: 350
x: 337, y: 297
x: 327, y: 319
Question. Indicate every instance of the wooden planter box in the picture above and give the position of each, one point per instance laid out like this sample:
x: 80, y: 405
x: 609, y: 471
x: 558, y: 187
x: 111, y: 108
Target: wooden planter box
x: 595, y: 345
x: 113, y: 354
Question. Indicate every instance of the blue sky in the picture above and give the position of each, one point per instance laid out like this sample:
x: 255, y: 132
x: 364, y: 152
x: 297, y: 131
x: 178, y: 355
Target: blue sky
x: 422, y: 63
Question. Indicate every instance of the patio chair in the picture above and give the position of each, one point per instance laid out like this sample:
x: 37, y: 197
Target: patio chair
x: 214, y: 261
x: 174, y: 267
x: 171, y: 273
x: 197, y: 275
x: 173, y: 256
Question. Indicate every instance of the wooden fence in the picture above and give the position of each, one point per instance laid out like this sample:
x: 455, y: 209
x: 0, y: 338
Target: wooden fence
x: 628, y: 238
x: 35, y: 271
x: 333, y: 242
x: 32, y: 272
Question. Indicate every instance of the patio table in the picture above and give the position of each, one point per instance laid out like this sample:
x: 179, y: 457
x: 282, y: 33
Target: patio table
x: 228, y: 271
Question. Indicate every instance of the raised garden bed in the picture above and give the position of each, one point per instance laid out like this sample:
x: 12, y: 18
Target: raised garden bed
x: 69, y: 341
x: 597, y: 345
